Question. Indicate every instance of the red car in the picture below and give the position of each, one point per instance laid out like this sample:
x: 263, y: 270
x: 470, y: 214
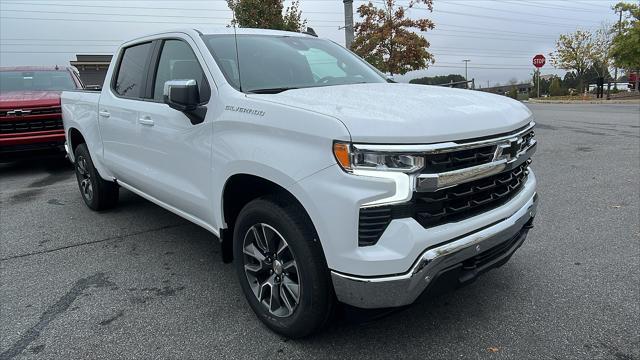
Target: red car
x: 30, y: 114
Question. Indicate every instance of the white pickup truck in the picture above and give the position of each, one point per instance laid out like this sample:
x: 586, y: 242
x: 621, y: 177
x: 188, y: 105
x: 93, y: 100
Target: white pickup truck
x: 322, y: 180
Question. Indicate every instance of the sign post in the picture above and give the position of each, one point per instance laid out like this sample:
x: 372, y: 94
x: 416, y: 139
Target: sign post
x: 539, y: 61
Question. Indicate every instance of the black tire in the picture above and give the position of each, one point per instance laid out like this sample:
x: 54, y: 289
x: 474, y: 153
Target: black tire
x: 301, y: 244
x: 97, y: 193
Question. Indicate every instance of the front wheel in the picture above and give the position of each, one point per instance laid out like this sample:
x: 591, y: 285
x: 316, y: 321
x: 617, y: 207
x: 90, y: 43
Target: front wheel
x: 281, y: 268
x: 97, y: 193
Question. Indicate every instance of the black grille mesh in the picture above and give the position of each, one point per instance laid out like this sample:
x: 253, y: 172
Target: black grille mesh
x: 461, y: 159
x: 20, y: 126
x: 469, y: 199
x: 373, y: 222
x: 447, y: 205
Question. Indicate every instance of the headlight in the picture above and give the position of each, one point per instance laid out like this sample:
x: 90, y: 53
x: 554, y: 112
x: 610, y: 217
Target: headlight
x: 351, y: 158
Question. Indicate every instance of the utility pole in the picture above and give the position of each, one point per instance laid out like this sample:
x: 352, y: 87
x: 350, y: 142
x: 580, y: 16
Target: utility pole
x: 615, y: 72
x: 348, y: 23
x: 466, y: 85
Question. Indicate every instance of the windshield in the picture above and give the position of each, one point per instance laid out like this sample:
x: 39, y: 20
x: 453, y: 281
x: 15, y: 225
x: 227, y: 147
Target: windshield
x: 270, y: 64
x: 35, y: 80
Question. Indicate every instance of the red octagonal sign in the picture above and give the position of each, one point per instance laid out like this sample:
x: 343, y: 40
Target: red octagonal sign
x: 539, y: 60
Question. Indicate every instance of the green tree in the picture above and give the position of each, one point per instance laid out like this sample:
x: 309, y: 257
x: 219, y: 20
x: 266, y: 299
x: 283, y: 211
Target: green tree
x: 387, y: 40
x: 555, y: 88
x: 601, y: 55
x: 267, y: 14
x: 625, y: 47
x: 575, y: 52
x: 545, y: 82
x: 438, y: 80
x: 513, y: 92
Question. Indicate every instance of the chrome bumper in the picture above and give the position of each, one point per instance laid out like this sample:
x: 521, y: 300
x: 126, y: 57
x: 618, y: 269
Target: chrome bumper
x: 404, y: 289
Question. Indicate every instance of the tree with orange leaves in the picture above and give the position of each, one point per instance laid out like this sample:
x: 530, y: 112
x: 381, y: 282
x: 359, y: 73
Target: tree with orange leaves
x: 387, y: 40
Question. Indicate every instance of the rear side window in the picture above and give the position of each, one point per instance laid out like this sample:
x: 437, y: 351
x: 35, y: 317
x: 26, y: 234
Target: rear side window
x: 131, y: 73
x: 178, y: 62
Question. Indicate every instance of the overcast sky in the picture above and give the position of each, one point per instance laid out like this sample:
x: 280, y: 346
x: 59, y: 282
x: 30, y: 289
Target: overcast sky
x: 500, y: 37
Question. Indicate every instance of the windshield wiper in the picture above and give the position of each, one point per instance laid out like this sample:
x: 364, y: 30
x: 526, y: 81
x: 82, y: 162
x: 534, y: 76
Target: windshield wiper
x: 270, y: 90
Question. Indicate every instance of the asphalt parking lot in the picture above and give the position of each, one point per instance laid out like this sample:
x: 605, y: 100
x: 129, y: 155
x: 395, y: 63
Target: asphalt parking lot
x: 139, y: 282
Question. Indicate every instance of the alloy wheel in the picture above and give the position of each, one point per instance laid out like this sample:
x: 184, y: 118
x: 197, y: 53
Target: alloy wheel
x: 271, y: 270
x: 84, y: 178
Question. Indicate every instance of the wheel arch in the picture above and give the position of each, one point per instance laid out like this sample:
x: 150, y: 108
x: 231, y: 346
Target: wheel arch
x: 75, y: 138
x: 239, y: 190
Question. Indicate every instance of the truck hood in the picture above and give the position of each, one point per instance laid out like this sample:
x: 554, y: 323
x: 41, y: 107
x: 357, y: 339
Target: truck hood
x: 407, y: 113
x: 29, y: 99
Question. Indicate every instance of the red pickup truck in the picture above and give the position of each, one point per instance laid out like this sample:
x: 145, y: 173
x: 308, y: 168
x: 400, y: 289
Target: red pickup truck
x: 30, y: 114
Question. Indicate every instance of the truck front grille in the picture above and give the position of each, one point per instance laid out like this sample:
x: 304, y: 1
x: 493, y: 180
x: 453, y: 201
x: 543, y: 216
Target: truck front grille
x: 23, y: 126
x: 468, y: 199
x: 459, y: 181
x: 444, y: 206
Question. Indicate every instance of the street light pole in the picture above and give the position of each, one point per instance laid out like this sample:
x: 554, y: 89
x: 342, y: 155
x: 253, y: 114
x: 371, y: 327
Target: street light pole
x: 466, y: 78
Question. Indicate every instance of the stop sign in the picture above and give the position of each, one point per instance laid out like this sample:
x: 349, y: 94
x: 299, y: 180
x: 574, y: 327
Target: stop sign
x: 539, y: 60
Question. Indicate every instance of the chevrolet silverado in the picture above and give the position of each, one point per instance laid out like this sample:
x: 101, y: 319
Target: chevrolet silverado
x: 323, y: 181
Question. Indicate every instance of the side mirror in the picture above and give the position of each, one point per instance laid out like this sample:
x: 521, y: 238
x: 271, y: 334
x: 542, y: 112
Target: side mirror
x: 182, y: 95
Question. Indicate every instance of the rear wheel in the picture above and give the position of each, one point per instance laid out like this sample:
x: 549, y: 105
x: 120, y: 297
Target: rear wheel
x: 281, y: 268
x: 97, y: 193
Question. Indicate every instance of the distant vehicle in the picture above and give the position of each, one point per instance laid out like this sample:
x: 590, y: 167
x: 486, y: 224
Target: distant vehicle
x: 322, y: 180
x: 633, y: 79
x: 30, y: 115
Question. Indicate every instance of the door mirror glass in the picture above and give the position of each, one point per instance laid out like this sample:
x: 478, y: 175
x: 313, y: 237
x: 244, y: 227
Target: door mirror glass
x: 182, y: 95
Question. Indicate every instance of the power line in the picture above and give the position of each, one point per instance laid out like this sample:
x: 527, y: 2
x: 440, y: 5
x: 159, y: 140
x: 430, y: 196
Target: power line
x: 499, y: 18
x: 112, y: 20
x: 517, y: 12
x: 494, y: 33
x: 111, y: 7
x: 546, y: 6
x: 116, y: 14
x: 147, y: 8
x: 558, y: 7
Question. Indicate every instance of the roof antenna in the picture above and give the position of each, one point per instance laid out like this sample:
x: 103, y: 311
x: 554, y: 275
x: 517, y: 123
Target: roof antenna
x: 235, y: 37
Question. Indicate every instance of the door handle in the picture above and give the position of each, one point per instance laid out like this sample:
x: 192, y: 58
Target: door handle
x: 146, y: 120
x: 104, y: 113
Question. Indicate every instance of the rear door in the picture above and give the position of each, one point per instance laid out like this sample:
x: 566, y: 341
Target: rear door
x: 176, y: 152
x: 121, y: 102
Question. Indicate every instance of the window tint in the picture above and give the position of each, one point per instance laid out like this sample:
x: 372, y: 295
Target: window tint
x: 131, y: 74
x: 178, y: 62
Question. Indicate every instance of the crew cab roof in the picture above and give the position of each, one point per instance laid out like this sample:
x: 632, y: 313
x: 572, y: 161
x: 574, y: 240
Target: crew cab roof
x: 216, y: 30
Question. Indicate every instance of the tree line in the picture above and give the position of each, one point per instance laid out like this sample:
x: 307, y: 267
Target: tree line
x: 589, y: 55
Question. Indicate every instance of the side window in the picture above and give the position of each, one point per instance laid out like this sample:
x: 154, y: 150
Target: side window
x: 178, y: 62
x: 131, y: 74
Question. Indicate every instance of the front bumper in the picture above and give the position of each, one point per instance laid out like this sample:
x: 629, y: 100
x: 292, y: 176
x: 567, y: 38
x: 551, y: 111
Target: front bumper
x: 494, y: 244
x: 35, y: 138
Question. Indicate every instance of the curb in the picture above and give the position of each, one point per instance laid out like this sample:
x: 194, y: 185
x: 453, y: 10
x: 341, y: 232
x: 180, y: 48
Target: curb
x: 613, y: 101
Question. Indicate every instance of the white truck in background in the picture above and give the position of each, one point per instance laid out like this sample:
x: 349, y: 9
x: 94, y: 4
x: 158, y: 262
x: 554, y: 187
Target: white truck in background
x: 323, y: 181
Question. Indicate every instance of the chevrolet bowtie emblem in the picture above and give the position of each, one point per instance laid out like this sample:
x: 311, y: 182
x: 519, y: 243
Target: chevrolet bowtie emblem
x: 18, y: 112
